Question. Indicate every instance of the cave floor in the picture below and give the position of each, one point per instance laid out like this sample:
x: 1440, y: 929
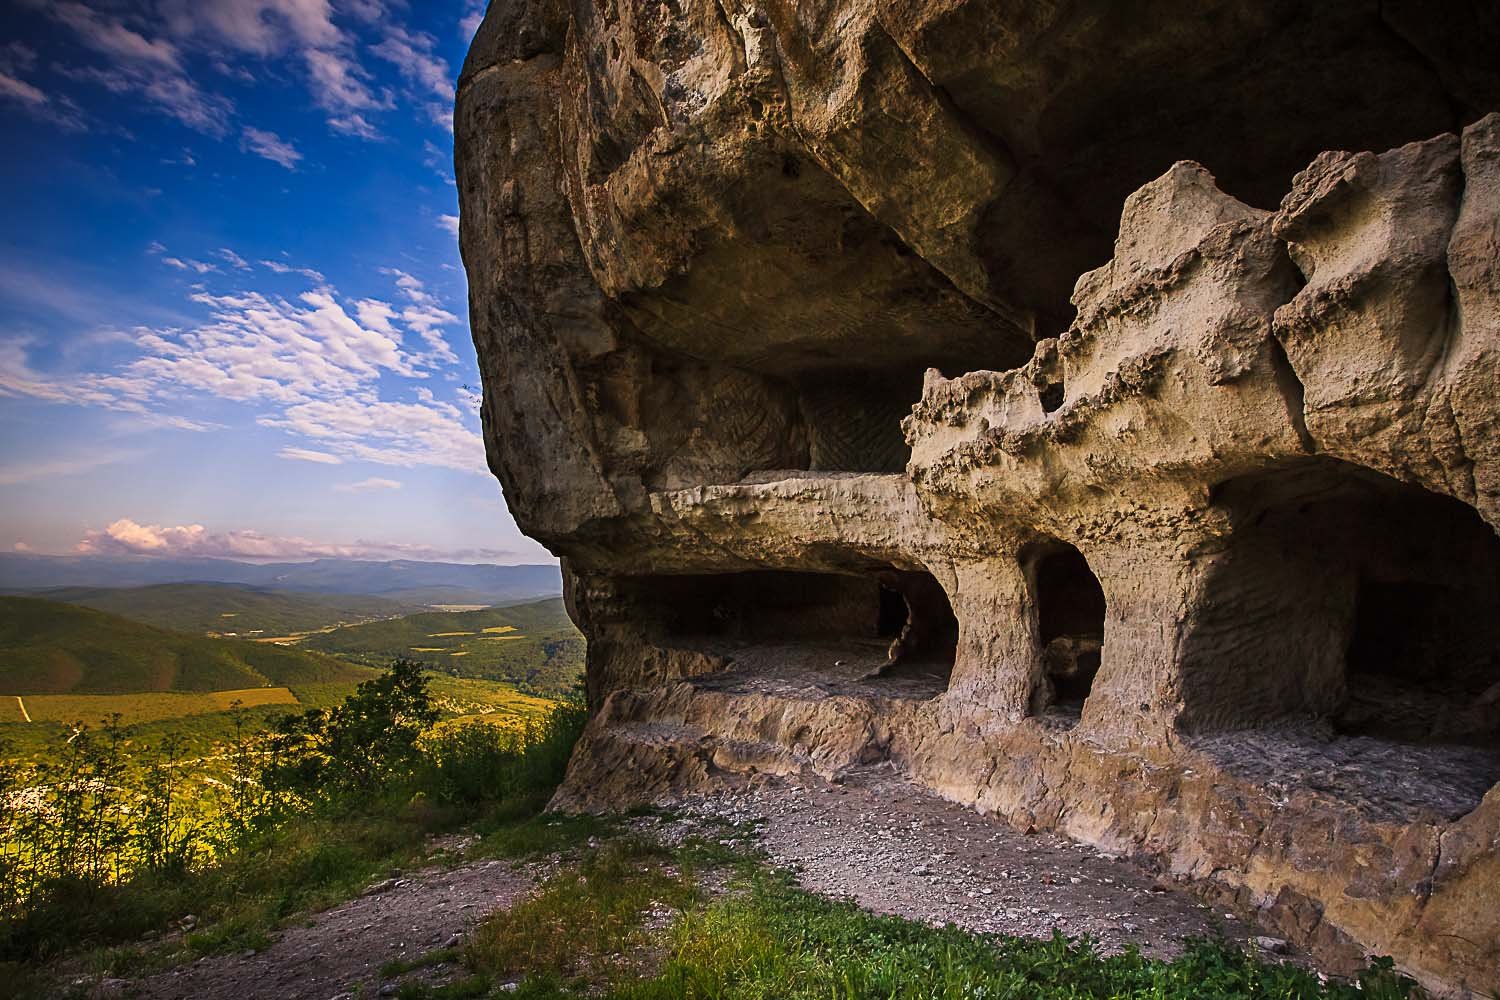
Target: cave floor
x: 1383, y: 780
x: 895, y: 848
x: 819, y: 669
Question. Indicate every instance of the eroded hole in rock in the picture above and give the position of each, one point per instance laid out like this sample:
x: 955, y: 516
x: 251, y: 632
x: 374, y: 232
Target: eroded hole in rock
x: 1348, y: 596
x: 1070, y: 609
x: 1051, y: 395
x: 880, y: 631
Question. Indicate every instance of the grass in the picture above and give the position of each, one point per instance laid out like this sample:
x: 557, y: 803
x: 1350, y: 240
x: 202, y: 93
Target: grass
x: 322, y: 858
x: 587, y: 920
x: 150, y: 706
x: 51, y: 648
x: 588, y: 932
x: 534, y: 646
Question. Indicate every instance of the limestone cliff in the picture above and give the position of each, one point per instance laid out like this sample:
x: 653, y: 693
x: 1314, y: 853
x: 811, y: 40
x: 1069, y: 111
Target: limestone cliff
x: 817, y: 342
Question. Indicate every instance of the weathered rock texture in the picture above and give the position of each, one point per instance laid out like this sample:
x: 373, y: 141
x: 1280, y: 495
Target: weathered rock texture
x: 1200, y: 562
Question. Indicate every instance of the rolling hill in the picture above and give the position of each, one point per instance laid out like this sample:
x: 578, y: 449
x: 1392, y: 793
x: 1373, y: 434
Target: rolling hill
x: 47, y: 647
x: 402, y: 580
x: 228, y: 608
x: 534, y: 646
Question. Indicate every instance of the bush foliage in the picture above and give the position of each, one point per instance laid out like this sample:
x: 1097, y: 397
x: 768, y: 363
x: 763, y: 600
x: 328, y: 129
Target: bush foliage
x: 100, y: 840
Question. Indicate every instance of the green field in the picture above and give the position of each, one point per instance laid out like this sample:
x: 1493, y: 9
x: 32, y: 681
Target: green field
x: 531, y: 645
x: 52, y: 648
x: 226, y: 609
x: 151, y: 706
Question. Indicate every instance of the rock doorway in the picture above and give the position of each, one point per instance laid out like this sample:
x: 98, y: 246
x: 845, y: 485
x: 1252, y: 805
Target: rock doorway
x: 1352, y: 599
x: 1070, y: 611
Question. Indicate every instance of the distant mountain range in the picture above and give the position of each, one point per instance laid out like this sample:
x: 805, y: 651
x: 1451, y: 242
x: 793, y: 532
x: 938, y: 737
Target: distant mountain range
x: 405, y: 581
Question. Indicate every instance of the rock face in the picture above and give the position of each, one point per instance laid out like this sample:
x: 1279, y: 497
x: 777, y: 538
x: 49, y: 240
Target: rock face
x: 772, y: 304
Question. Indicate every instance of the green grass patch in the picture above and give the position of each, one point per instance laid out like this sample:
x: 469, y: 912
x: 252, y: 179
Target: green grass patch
x: 586, y: 933
x: 151, y: 706
x: 587, y: 921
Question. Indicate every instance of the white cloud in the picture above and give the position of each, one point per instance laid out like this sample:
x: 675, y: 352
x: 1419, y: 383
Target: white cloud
x: 128, y: 537
x: 233, y: 259
x: 270, y: 146
x: 112, y: 38
x: 370, y: 485
x: 386, y: 432
x: 139, y: 65
x: 20, y: 90
x: 281, y: 267
x: 469, y: 23
x: 338, y: 83
x: 355, y: 125
x: 425, y: 314
x: 308, y: 455
x: 147, y: 52
x: 314, y: 365
x: 186, y: 264
x: 16, y: 60
x: 411, y: 53
x: 449, y: 222
x: 261, y: 27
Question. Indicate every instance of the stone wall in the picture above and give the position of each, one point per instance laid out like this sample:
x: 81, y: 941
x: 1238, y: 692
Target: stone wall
x: 772, y: 308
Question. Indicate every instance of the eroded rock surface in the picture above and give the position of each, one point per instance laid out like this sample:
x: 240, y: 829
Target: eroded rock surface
x: 1125, y: 381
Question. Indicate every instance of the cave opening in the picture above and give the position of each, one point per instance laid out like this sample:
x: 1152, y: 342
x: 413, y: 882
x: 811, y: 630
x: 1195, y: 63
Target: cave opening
x: 1353, y: 598
x: 1051, y: 394
x: 1070, y: 611
x: 874, y: 630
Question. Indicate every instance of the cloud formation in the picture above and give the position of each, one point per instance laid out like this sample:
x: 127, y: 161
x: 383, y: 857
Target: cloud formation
x: 126, y: 537
x: 174, y: 56
x: 308, y: 455
x: 371, y: 485
x: 270, y: 146
x: 319, y: 361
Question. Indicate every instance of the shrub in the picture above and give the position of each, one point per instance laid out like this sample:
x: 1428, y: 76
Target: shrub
x: 478, y: 763
x: 100, y: 844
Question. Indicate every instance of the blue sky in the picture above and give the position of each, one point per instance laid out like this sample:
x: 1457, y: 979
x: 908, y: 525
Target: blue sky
x: 232, y: 312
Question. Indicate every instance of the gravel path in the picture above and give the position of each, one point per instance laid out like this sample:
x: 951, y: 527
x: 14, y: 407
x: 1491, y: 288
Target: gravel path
x: 895, y: 848
x: 342, y: 949
x: 877, y: 839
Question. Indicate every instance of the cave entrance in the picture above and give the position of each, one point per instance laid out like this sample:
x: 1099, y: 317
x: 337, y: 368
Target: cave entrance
x: 829, y: 629
x: 1349, y: 596
x: 1070, y: 610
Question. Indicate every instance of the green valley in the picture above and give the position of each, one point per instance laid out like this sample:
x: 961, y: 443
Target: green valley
x: 49, y: 648
x: 229, y: 609
x: 533, y: 646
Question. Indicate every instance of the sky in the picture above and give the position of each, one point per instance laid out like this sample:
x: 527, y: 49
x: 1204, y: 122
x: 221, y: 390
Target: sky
x: 233, y: 317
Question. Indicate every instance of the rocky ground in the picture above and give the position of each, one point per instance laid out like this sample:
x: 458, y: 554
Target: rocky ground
x: 340, y: 952
x: 894, y: 848
x: 886, y: 844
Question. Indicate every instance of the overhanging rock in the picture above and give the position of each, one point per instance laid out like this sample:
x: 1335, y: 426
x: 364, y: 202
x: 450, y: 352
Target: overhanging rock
x: 817, y: 342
